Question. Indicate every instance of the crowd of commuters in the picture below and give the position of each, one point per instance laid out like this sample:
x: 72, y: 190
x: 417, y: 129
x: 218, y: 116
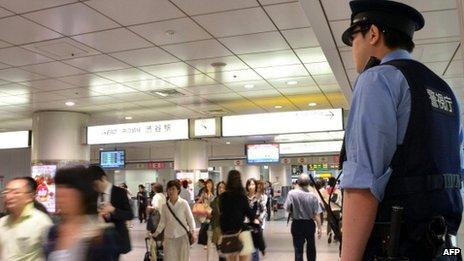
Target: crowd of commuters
x: 92, y: 217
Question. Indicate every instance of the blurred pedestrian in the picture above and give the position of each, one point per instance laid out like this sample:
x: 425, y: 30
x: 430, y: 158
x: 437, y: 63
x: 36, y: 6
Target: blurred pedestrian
x: 142, y: 203
x: 24, y: 229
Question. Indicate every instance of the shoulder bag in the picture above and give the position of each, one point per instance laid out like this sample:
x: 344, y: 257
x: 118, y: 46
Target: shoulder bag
x: 190, y: 236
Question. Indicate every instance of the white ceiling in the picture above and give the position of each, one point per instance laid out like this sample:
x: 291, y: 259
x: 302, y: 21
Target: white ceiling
x: 109, y: 56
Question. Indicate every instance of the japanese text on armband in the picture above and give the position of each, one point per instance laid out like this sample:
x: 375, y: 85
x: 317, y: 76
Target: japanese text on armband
x: 440, y: 101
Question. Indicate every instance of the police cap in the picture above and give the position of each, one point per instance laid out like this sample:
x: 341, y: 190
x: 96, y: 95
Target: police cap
x: 387, y: 14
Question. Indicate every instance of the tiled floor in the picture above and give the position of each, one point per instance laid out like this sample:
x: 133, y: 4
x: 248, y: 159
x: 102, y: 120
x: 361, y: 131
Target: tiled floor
x: 277, y: 236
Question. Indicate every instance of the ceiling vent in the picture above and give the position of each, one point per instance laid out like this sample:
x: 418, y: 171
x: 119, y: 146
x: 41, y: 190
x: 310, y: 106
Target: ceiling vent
x: 62, y: 49
x: 167, y: 93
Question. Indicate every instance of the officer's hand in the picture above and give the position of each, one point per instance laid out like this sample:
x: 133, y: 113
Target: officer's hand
x: 319, y: 233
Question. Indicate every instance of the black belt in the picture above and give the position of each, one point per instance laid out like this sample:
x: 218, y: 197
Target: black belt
x: 420, y: 184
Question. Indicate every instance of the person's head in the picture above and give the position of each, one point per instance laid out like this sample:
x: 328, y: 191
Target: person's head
x: 303, y: 180
x: 185, y: 183
x: 157, y: 187
x: 234, y: 182
x: 201, y: 183
x: 17, y: 194
x: 220, y: 187
x: 98, y: 175
x: 75, y: 194
x: 260, y: 187
x: 378, y: 27
x: 173, y: 189
x: 251, y: 186
x: 209, y: 185
x: 141, y: 188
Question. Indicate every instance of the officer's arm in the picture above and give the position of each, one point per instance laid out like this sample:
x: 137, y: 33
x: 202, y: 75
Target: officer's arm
x: 359, y: 211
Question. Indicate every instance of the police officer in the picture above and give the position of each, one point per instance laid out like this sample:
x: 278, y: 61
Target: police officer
x: 402, y: 141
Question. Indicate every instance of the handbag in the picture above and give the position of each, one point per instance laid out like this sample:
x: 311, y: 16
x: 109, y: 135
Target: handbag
x: 203, y: 234
x: 190, y: 236
x: 201, y: 209
x: 231, y: 244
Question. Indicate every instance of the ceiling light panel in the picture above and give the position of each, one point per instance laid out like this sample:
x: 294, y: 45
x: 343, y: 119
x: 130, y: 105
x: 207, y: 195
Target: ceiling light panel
x: 205, y: 65
x: 184, y: 30
x: 115, y: 40
x: 300, y: 38
x: 267, y: 59
x: 282, y: 71
x: 72, y: 19
x: 262, y: 42
x: 97, y: 63
x: 198, y: 50
x: 245, y: 21
x: 85, y: 80
x: 136, y: 12
x: 22, y: 6
x: 196, y: 7
x: 18, y: 30
x: 18, y: 75
x: 18, y: 57
x: 235, y: 76
x: 311, y: 55
x: 53, y: 69
x: 146, y: 56
x: 280, y: 15
x: 171, y: 70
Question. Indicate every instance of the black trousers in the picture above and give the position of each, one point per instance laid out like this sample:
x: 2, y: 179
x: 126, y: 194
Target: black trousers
x: 303, y: 231
x: 142, y: 212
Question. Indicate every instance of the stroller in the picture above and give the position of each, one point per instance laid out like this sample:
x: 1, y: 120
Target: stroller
x: 154, y: 249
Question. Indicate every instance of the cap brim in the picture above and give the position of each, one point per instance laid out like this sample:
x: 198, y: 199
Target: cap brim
x: 346, y: 37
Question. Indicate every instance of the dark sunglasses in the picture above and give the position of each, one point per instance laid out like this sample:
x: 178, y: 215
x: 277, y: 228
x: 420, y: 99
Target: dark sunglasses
x: 361, y: 29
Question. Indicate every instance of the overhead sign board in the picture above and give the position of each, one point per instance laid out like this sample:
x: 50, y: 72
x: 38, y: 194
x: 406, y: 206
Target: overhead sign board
x: 282, y: 122
x: 310, y: 147
x: 14, y: 139
x: 138, y: 132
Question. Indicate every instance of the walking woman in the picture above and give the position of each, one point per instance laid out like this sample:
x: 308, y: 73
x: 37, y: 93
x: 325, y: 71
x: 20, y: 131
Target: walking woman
x: 79, y: 235
x: 215, y: 223
x: 177, y: 223
x: 257, y: 205
x: 233, y: 207
x: 206, y: 198
x: 142, y: 202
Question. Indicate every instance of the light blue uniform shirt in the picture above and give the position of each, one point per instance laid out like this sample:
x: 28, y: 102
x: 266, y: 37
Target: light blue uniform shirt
x: 377, y: 123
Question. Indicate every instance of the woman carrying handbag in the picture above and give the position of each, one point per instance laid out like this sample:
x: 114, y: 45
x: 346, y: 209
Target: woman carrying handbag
x: 236, y: 241
x: 178, y: 225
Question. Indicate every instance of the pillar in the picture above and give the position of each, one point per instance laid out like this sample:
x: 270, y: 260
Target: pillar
x: 190, y: 159
x: 59, y: 137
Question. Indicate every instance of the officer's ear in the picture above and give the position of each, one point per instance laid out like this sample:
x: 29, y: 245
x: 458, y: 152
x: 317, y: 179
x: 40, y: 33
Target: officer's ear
x: 374, y: 35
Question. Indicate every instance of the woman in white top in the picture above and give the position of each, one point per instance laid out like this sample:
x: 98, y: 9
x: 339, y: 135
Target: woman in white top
x: 176, y: 240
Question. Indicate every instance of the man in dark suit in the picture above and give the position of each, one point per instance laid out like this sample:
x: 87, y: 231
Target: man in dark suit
x: 113, y: 206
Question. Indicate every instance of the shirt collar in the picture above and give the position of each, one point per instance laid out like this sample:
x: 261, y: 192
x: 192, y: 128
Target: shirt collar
x: 108, y: 188
x: 395, y: 55
x: 26, y: 213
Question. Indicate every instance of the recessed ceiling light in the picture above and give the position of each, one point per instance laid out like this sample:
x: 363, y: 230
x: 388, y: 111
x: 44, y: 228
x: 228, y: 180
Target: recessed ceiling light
x: 248, y: 86
x: 312, y: 104
x: 265, y: 167
x: 227, y: 142
x: 278, y: 107
x: 128, y: 118
x: 101, y: 148
x: 292, y: 82
x: 70, y: 103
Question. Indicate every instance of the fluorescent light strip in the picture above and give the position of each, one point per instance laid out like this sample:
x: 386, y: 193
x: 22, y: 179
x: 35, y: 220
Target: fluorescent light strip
x: 314, y: 136
x: 14, y: 140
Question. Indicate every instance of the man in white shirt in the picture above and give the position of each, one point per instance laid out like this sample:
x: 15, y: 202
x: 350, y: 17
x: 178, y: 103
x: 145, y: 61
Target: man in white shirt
x: 24, y: 230
x: 176, y: 220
